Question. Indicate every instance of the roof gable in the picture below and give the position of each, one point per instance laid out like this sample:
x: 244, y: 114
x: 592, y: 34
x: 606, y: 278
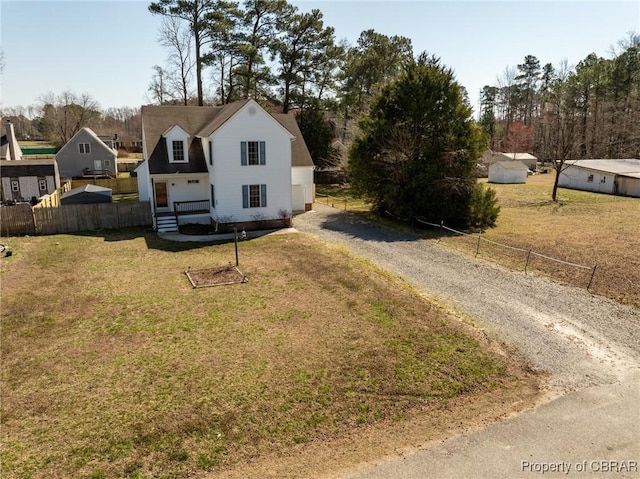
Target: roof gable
x: 251, y: 108
x: 202, y: 122
x: 221, y: 117
x: 87, y: 134
x: 175, y: 129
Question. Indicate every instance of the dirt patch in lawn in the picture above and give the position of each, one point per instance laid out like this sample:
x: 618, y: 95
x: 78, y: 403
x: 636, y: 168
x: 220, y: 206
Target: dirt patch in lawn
x: 219, y: 276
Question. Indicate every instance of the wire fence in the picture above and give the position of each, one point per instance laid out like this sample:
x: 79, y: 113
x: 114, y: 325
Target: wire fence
x: 333, y: 201
x: 528, y: 254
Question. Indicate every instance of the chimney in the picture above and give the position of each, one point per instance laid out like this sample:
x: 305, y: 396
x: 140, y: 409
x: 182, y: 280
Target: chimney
x: 14, y: 149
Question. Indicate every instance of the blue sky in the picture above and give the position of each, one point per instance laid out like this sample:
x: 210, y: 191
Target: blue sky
x: 108, y: 48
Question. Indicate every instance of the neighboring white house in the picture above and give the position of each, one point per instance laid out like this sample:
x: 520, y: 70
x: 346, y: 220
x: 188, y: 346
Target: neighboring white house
x: 616, y: 177
x: 529, y: 160
x: 229, y: 165
x: 508, y: 172
x: 85, y: 154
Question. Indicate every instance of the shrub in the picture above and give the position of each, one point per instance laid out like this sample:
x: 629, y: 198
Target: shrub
x: 484, y: 209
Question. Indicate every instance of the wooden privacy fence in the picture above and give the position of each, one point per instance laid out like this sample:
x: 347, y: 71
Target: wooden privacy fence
x: 119, y: 186
x: 53, y: 200
x: 21, y: 219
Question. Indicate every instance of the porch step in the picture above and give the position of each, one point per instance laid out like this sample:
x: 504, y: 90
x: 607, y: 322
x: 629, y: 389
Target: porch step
x: 166, y: 224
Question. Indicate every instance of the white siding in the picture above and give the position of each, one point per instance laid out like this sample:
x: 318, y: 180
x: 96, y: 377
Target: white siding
x: 302, y: 179
x: 29, y: 187
x: 144, y: 186
x: 578, y: 178
x: 251, y: 123
x: 6, y: 188
x: 628, y: 186
x: 499, y: 174
x: 179, y: 188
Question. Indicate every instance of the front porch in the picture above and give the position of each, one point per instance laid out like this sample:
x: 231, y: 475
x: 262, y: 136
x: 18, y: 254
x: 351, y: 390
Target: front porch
x: 197, y: 211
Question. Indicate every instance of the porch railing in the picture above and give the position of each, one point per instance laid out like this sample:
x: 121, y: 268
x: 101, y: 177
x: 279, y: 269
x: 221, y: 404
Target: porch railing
x: 191, y: 207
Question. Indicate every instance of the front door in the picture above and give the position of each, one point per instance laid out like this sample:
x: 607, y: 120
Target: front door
x: 161, y: 194
x: 97, y: 165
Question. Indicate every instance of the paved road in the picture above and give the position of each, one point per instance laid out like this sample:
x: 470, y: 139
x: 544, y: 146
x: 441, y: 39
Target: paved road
x: 589, y: 345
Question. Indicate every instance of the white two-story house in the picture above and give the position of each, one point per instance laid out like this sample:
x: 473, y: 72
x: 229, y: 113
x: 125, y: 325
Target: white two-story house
x: 232, y: 165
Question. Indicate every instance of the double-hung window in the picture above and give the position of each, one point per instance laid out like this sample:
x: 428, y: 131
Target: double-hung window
x: 254, y: 196
x: 178, y: 150
x: 253, y: 153
x: 42, y: 184
x: 84, y: 148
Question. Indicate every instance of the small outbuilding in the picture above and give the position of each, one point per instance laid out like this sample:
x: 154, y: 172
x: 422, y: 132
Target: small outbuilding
x: 87, y: 194
x: 526, y: 158
x: 508, y: 172
x: 614, y: 177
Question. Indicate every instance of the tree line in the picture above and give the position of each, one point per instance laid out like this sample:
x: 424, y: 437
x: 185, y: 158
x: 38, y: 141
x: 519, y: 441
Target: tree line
x: 591, y: 110
x: 57, y: 117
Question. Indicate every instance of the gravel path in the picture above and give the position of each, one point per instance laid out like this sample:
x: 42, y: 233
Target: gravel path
x: 580, y: 339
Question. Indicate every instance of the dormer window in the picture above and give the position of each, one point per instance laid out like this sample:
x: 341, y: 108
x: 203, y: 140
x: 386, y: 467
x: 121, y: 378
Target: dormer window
x: 177, y: 141
x: 178, y: 150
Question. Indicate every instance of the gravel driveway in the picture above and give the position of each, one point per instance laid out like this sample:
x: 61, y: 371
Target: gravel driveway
x: 589, y: 345
x: 581, y: 339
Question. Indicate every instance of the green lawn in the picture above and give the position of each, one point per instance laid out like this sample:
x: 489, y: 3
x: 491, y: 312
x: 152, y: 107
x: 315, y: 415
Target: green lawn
x: 114, y: 366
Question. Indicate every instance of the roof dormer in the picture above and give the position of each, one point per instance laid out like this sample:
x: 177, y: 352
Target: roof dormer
x: 177, y: 144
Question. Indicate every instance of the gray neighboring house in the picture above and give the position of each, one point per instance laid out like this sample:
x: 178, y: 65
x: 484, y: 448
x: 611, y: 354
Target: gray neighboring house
x: 86, y: 155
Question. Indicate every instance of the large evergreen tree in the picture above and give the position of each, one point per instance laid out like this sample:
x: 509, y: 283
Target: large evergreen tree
x: 418, y: 152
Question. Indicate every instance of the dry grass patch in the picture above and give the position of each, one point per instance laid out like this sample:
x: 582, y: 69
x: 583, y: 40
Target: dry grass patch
x: 581, y: 227
x: 114, y: 366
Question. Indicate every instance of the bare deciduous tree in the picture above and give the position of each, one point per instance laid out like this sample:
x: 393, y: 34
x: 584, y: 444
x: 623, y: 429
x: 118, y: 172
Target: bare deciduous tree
x: 175, y: 35
x: 64, y: 114
x: 158, y: 88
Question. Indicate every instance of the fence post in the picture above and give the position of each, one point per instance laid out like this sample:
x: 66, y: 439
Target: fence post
x: 592, y: 274
x: 345, y: 204
x: 478, y: 247
x: 527, y: 263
